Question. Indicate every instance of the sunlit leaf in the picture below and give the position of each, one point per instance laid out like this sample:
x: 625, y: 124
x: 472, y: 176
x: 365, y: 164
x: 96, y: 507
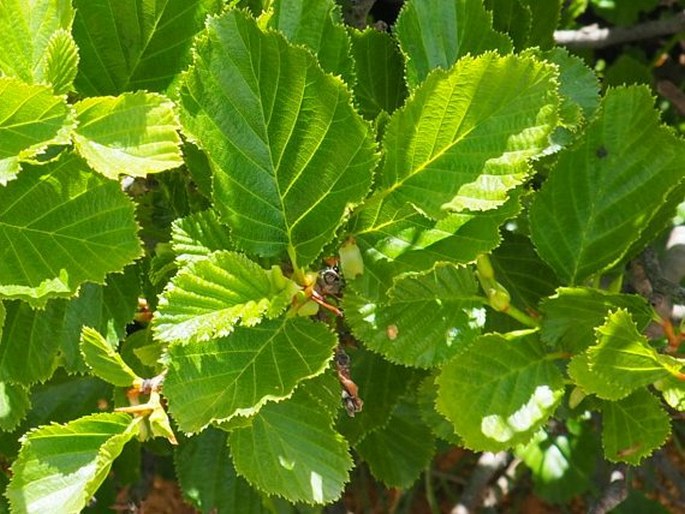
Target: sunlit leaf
x: 291, y: 450
x: 135, y: 45
x: 61, y: 225
x: 289, y: 152
x: 210, y: 297
x: 423, y: 321
x: 433, y: 33
x: 236, y: 375
x: 133, y: 134
x: 30, y: 32
x: 31, y: 118
x: 63, y: 465
x: 507, y: 387
x: 104, y: 361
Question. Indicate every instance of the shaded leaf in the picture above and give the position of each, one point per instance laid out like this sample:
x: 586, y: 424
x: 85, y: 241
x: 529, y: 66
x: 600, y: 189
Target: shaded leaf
x: 604, y: 190
x: 31, y: 118
x: 208, y: 479
x: 28, y: 348
x: 236, y: 375
x: 578, y: 86
x: 380, y: 84
x: 130, y: 45
x: 519, y: 269
x: 424, y: 320
x: 62, y: 225
x: 505, y: 384
x: 571, y: 316
x: 210, y: 297
x: 317, y: 25
x: 512, y: 17
x: 65, y: 464
x: 14, y: 403
x: 107, y: 308
x: 104, y: 361
x: 132, y: 134
x: 381, y: 384
x: 291, y: 450
x: 288, y: 150
x: 400, y: 451
x: 634, y: 427
x: 433, y: 34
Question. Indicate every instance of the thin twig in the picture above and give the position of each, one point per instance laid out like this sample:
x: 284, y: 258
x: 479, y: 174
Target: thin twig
x: 489, y: 464
x: 594, y: 36
x: 614, y: 494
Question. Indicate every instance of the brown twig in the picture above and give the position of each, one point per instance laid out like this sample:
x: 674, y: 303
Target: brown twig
x: 594, y: 36
x: 489, y: 464
x: 614, y: 494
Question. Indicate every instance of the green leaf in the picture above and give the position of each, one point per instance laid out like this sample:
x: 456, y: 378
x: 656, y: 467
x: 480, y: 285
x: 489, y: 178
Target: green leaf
x: 381, y: 384
x: 562, y: 464
x: 578, y: 86
x: 28, y: 348
x: 61, y: 466
x: 288, y: 149
x: 571, y: 316
x: 459, y: 145
x: 433, y: 34
x: 604, y: 190
x: 31, y: 118
x: 132, y: 134
x: 291, y: 450
x: 519, y: 269
x: 424, y: 320
x: 427, y: 395
x: 546, y: 16
x: 634, y: 427
x: 14, y: 403
x: 673, y: 392
x: 417, y: 243
x: 104, y: 361
x: 623, y: 13
x: 210, y: 297
x: 624, y: 356
x: 198, y: 235
x: 590, y: 382
x: 505, y: 384
x: 107, y: 308
x: 400, y: 451
x: 236, y: 375
x: 29, y: 33
x: 380, y: 84
x: 126, y: 46
x: 316, y: 24
x: 208, y: 479
x: 55, y: 219
x: 61, y: 62
x: 512, y: 17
